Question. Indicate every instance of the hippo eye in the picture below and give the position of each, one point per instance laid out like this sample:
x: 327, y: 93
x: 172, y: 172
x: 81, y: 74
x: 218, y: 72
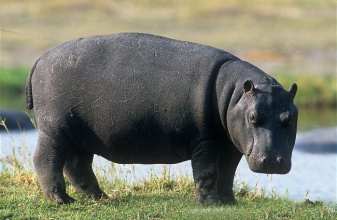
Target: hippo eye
x: 285, y: 118
x: 252, y: 118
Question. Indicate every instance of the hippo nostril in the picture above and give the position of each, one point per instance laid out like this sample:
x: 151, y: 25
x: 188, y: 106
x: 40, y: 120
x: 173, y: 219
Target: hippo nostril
x: 280, y: 160
x: 263, y: 160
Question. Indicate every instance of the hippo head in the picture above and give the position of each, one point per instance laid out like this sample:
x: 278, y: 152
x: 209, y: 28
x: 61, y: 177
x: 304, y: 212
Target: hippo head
x: 263, y: 126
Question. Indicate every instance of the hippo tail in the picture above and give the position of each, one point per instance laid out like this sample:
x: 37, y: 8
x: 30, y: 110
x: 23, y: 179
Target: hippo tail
x: 29, y: 94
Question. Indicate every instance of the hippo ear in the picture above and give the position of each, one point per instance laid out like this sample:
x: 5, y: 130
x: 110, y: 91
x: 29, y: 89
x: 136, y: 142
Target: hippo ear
x: 248, y: 86
x: 293, y: 90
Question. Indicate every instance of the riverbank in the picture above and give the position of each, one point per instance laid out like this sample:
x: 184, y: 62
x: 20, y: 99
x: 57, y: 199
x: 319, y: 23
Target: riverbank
x: 277, y: 35
x: 12, y: 88
x: 156, y: 198
x: 315, y: 91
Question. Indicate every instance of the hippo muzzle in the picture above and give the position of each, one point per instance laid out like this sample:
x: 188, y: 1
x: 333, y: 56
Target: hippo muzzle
x: 271, y: 163
x: 268, y: 153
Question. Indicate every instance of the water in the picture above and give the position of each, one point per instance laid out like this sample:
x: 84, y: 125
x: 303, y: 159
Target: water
x: 313, y: 175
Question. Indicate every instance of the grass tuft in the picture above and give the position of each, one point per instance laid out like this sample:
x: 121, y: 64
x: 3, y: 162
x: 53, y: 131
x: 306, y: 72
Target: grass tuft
x: 159, y: 197
x: 313, y: 90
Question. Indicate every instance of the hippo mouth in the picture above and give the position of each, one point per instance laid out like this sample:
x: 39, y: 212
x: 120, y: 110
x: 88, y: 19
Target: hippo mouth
x: 268, y: 166
x: 250, y: 149
x: 272, y: 163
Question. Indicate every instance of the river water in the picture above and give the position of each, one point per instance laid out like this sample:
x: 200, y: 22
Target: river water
x: 313, y: 175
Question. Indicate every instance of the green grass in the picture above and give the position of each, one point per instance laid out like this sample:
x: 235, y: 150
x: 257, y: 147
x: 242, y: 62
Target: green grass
x: 12, y: 85
x: 12, y: 80
x: 313, y: 90
x: 157, y: 198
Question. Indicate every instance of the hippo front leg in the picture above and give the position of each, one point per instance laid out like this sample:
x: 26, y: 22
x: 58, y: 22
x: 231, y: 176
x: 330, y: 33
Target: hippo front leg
x: 214, y: 164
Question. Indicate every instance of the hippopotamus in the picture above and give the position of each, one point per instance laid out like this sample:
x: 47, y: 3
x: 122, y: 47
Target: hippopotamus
x: 14, y: 121
x: 146, y: 99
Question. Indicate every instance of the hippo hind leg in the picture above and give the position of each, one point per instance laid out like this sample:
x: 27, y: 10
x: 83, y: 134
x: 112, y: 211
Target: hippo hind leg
x: 78, y: 169
x: 48, y: 163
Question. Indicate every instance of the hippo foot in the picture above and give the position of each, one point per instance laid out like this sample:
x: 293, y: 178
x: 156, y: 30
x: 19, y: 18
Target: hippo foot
x: 216, y: 200
x: 60, y: 198
x: 100, y: 196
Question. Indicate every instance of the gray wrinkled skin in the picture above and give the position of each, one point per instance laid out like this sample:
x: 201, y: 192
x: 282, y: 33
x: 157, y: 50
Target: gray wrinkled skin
x: 139, y: 98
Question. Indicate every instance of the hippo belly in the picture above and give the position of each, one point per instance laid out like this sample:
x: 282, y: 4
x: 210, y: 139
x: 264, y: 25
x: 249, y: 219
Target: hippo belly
x: 150, y: 144
x: 147, y: 136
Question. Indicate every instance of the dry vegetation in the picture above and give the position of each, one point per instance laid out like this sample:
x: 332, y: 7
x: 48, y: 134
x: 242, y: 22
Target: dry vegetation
x: 278, y: 35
